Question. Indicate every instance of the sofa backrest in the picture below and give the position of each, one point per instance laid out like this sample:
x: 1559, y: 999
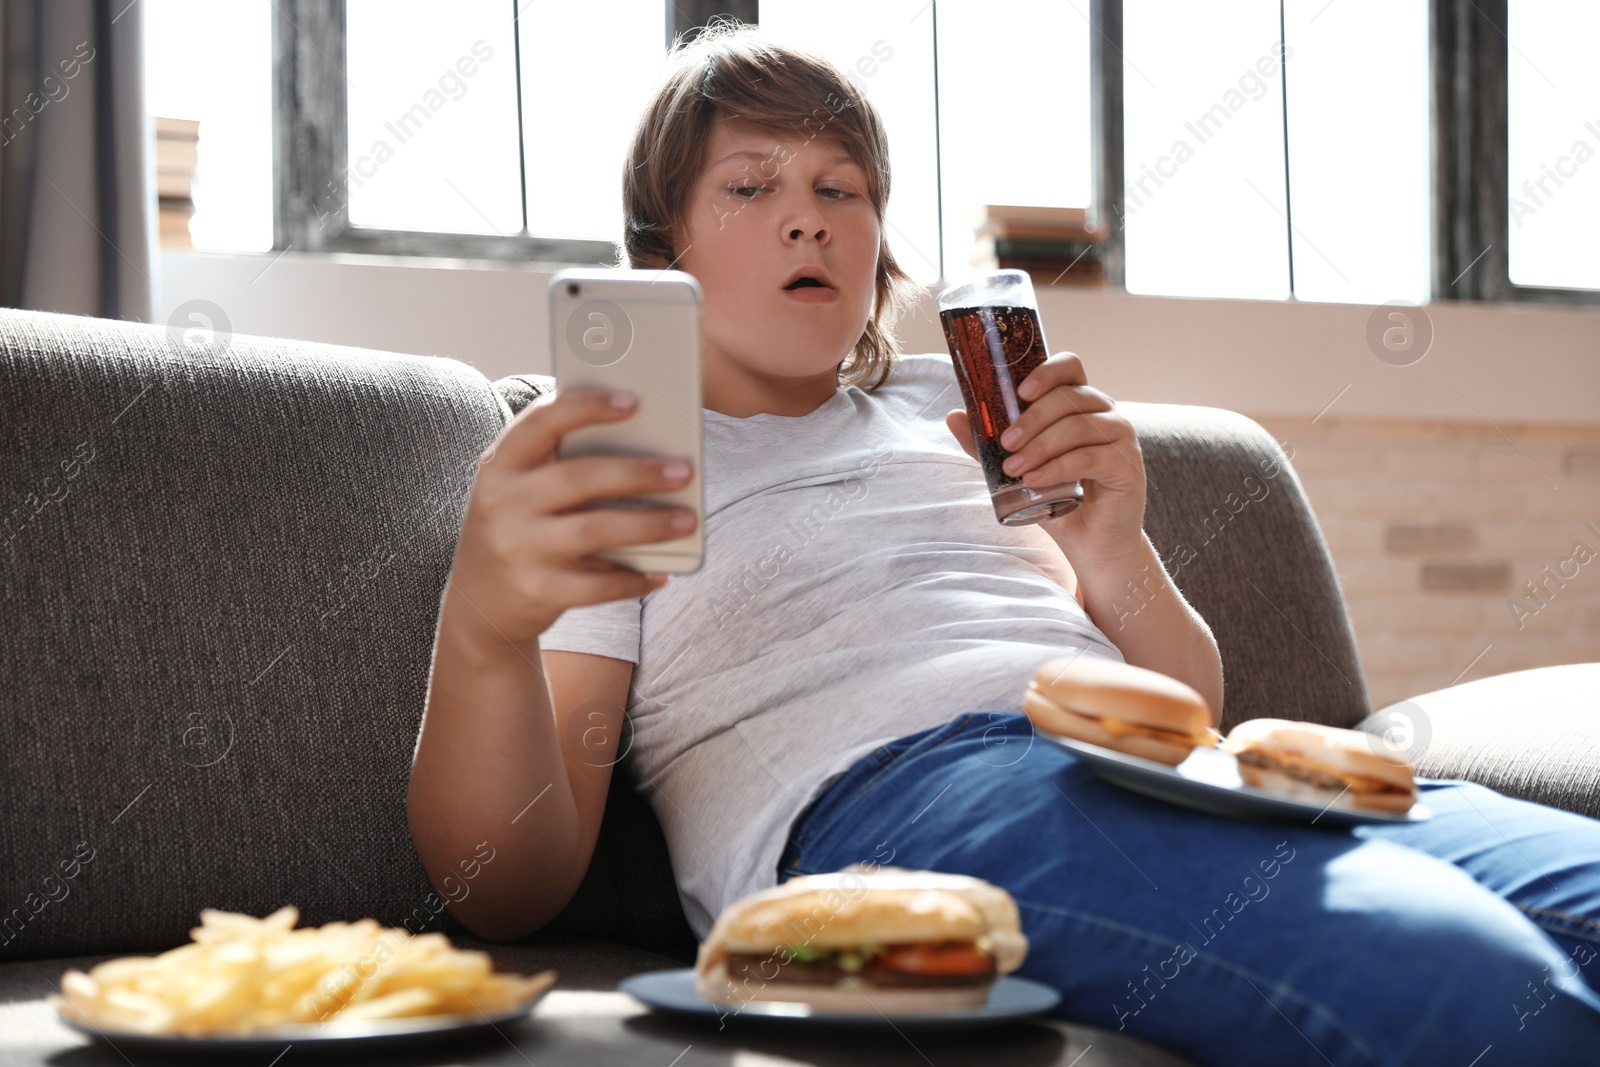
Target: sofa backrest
x: 221, y: 561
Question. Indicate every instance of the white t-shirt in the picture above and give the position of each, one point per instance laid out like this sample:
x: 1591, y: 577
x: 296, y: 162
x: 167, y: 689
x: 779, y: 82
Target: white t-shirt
x: 856, y: 588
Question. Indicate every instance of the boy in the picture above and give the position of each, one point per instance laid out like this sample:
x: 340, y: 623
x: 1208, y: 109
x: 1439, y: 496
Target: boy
x: 806, y: 700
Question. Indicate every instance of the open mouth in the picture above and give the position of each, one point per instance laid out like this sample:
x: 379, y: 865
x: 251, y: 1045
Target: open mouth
x: 805, y: 283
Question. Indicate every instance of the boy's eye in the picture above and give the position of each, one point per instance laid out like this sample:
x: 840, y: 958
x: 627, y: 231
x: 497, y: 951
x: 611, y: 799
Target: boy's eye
x: 747, y: 192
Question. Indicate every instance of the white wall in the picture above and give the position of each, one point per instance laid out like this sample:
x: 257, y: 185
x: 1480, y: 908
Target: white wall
x: 1513, y: 363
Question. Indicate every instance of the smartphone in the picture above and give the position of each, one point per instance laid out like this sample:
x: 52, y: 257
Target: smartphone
x: 637, y: 330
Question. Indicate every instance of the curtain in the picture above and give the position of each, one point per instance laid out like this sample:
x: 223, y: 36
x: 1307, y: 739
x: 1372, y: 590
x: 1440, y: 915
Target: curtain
x: 77, y: 199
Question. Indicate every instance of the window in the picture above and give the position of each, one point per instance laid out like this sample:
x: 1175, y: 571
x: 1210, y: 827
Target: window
x: 1228, y: 192
x: 1204, y: 196
x: 1407, y: 148
x: 1553, y: 134
x: 1020, y: 139
x: 888, y: 48
x: 212, y: 61
x: 431, y: 93
x: 434, y: 122
x: 1358, y: 149
x: 1516, y: 199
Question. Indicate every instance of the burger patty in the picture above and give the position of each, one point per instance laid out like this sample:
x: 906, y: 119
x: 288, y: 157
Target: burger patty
x: 1304, y: 774
x: 1356, y: 783
x: 771, y: 968
x: 752, y: 965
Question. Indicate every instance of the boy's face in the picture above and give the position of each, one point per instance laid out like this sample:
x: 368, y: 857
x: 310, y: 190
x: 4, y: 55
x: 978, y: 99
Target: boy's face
x: 767, y: 204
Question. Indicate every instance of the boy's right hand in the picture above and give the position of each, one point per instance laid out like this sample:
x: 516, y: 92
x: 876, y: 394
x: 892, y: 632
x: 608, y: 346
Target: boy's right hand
x: 524, y: 553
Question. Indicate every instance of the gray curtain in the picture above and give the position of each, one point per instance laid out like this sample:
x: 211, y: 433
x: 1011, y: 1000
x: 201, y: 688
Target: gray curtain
x: 77, y: 203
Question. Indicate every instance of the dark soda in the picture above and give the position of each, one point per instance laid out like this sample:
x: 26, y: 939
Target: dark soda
x: 994, y: 349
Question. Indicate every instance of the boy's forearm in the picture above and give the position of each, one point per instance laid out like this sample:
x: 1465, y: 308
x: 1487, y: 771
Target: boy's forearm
x: 488, y: 739
x: 1138, y: 607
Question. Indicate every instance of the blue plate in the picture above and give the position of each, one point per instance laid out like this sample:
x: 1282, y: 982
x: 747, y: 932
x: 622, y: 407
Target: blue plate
x: 1208, y: 780
x: 1009, y: 998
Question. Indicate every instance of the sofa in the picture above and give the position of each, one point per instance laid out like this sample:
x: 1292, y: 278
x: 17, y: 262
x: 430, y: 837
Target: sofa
x: 223, y: 558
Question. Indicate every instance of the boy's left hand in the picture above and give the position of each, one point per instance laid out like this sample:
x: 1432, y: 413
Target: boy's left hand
x: 1068, y: 430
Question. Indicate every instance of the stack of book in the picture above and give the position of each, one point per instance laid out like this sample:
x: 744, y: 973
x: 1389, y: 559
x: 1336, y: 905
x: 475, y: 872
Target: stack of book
x: 177, y: 152
x: 1055, y: 245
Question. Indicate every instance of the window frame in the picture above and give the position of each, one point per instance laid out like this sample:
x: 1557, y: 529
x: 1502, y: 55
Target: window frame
x: 310, y: 159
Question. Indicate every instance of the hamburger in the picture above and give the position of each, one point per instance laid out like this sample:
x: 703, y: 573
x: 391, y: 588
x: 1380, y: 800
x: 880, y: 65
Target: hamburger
x: 1117, y: 705
x: 864, y: 939
x: 1321, y: 764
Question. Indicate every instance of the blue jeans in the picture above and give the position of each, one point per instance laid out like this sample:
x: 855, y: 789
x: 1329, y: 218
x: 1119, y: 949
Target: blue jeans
x: 1248, y: 942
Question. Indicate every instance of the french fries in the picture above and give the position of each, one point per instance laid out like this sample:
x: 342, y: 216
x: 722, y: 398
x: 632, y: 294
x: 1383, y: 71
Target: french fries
x: 242, y: 975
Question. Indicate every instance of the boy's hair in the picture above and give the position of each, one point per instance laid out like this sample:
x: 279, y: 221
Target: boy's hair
x: 730, y: 70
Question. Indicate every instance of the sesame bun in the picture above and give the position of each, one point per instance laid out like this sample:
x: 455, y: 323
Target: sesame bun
x: 1117, y: 705
x: 857, y: 906
x: 1319, y: 763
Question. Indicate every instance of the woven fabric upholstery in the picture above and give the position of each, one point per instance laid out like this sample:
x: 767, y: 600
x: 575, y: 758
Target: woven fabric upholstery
x: 222, y: 577
x: 520, y: 390
x: 1531, y: 734
x: 1228, y: 516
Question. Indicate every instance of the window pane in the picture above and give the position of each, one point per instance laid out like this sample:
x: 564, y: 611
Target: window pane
x: 1553, y: 113
x: 1359, y: 149
x: 211, y: 60
x: 1034, y: 152
x: 433, y: 116
x: 1203, y: 147
x: 587, y: 73
x: 887, y: 46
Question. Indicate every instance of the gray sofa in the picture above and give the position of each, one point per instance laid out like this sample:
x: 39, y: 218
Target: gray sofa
x: 222, y: 563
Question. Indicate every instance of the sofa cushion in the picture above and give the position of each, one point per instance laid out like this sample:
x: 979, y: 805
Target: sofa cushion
x: 1531, y: 734
x: 223, y: 566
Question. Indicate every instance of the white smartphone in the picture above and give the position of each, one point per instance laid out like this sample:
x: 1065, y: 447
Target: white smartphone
x: 637, y: 330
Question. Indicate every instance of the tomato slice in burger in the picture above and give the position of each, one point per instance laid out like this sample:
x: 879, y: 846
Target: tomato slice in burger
x: 958, y: 958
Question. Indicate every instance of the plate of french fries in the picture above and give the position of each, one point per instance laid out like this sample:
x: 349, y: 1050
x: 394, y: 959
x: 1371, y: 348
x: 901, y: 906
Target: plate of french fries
x: 243, y: 981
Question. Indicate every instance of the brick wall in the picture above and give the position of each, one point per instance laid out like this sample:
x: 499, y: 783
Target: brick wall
x: 1464, y: 549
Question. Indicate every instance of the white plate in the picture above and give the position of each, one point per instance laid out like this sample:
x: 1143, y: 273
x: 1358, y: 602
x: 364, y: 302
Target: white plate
x: 1009, y: 998
x: 329, y: 1037
x: 1208, y: 780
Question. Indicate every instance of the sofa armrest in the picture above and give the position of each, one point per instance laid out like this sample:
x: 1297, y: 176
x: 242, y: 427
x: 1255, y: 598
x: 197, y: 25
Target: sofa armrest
x: 1531, y: 734
x: 1229, y: 518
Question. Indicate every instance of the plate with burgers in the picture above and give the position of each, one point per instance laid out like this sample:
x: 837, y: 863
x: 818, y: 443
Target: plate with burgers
x: 864, y: 945
x: 1152, y: 734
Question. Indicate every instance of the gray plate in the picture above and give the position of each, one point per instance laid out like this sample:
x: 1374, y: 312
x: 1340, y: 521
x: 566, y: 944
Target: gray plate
x: 362, y: 1035
x: 1009, y: 998
x: 1209, y: 781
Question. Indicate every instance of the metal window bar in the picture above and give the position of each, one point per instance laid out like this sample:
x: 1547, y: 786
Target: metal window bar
x: 1105, y: 132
